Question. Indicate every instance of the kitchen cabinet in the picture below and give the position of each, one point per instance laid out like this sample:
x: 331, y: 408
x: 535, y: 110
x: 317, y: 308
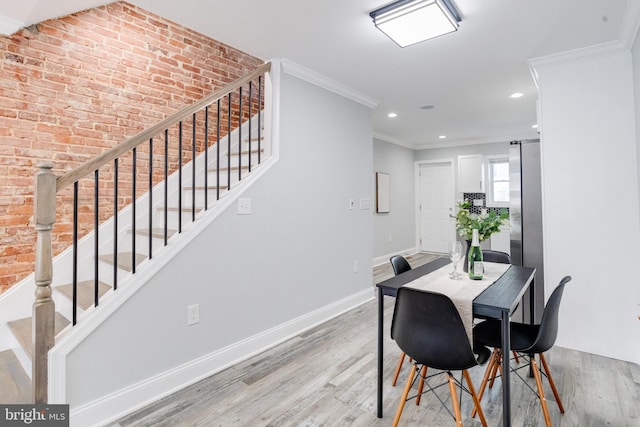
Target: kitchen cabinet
x: 471, y: 174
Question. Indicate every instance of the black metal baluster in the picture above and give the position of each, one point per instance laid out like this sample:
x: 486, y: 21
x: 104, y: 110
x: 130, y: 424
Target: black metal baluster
x: 229, y: 144
x: 133, y: 214
x: 115, y: 224
x: 250, y: 119
x: 259, y: 114
x: 193, y: 169
x: 206, y: 157
x: 74, y: 283
x: 218, y: 153
x: 180, y: 177
x: 240, y: 135
x: 96, y: 224
x: 150, y: 198
x: 166, y: 183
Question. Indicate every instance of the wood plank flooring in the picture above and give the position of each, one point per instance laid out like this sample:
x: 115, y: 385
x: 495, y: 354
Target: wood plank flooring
x: 327, y: 377
x: 15, y: 384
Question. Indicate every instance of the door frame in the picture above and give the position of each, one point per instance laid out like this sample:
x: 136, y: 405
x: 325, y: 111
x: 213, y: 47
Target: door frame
x: 417, y: 165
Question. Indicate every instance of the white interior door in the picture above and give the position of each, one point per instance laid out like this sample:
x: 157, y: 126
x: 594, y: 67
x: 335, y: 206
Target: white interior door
x: 435, y: 204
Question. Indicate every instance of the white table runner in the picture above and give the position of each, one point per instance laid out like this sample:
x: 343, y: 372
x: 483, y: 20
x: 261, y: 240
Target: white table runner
x: 461, y: 292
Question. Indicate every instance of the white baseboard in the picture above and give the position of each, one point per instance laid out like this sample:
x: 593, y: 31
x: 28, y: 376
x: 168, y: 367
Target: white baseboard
x: 385, y: 258
x: 116, y: 405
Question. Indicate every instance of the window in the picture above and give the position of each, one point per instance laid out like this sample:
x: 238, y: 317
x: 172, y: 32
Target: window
x: 498, y: 182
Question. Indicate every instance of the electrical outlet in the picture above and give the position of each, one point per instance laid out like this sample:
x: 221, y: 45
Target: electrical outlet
x: 352, y: 204
x: 244, y: 206
x: 193, y: 314
x: 356, y: 266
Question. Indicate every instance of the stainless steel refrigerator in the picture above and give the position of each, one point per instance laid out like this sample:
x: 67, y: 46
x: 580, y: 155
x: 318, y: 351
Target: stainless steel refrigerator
x: 525, y: 217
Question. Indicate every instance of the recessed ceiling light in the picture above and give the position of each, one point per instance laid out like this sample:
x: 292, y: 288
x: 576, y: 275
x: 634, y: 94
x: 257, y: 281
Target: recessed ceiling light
x: 516, y: 95
x: 427, y: 107
x: 442, y: 136
x: 534, y: 126
x: 392, y: 115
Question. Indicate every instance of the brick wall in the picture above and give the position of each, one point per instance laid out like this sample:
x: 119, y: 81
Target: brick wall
x: 73, y: 87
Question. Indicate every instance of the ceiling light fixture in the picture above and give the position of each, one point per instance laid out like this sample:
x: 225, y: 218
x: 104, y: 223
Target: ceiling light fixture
x: 442, y: 136
x: 516, y: 95
x: 392, y: 115
x: 407, y: 22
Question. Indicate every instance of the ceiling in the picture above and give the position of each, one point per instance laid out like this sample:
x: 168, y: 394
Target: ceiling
x: 467, y: 76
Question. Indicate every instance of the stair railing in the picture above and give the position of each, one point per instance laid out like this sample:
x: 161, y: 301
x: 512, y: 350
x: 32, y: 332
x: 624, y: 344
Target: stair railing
x: 230, y: 114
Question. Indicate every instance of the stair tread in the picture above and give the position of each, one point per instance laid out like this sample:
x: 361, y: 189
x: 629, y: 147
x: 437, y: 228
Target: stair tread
x: 226, y: 169
x: 85, y: 292
x: 235, y: 153
x: 124, y: 260
x: 156, y: 232
x: 209, y: 187
x: 184, y: 209
x: 21, y: 329
x: 16, y: 384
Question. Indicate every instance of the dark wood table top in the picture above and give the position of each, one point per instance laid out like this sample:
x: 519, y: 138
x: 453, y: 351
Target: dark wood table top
x: 390, y: 286
x: 503, y: 295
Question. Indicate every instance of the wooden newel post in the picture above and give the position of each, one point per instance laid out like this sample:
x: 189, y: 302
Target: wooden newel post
x: 42, y: 336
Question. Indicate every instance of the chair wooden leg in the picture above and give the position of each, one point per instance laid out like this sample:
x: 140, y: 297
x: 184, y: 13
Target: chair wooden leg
x: 493, y: 359
x: 423, y: 375
x: 474, y: 396
x: 515, y: 356
x: 397, y: 373
x: 403, y: 399
x: 552, y: 383
x: 454, y: 399
x: 543, y: 400
x: 495, y: 369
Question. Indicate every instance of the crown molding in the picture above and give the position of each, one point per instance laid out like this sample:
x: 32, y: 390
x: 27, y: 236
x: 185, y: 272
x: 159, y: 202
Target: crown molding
x: 630, y: 24
x: 317, y: 79
x: 391, y: 140
x: 578, y: 55
x: 459, y: 143
x: 624, y: 44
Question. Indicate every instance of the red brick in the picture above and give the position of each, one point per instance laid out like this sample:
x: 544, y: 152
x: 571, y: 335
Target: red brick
x: 78, y: 86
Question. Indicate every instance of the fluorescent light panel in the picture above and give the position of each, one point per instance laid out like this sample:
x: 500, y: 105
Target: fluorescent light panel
x: 409, y: 22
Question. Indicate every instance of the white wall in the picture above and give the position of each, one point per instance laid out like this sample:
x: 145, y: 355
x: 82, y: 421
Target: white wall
x: 251, y: 275
x: 590, y: 198
x: 399, y: 222
x: 635, y: 54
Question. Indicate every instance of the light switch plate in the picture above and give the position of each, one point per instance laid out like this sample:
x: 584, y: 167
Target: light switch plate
x: 365, y: 204
x: 478, y: 202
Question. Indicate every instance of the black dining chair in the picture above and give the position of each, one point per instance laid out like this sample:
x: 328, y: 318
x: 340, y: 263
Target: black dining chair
x: 496, y: 256
x: 528, y: 341
x: 428, y: 328
x: 400, y: 265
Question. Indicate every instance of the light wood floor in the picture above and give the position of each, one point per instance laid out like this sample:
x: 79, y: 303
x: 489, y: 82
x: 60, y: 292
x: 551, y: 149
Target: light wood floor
x: 327, y: 377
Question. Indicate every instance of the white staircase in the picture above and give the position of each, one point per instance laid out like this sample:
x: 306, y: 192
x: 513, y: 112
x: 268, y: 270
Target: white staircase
x: 176, y: 204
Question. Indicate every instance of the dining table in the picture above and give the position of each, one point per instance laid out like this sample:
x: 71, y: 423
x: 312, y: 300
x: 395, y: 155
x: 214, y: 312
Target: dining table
x: 498, y: 300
